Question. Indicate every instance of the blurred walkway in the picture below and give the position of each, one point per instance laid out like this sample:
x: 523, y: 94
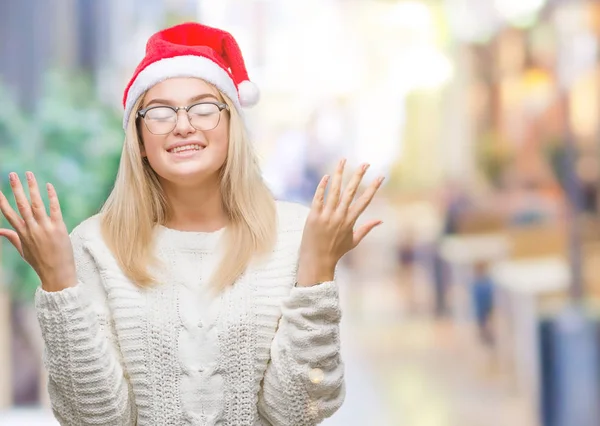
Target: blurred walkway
x: 433, y: 375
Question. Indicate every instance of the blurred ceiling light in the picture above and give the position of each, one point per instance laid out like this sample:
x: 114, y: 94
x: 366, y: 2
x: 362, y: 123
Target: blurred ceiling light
x: 411, y: 15
x: 519, y: 12
x: 421, y: 68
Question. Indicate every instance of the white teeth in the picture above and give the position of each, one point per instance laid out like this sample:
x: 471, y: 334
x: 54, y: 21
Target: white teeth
x: 193, y: 147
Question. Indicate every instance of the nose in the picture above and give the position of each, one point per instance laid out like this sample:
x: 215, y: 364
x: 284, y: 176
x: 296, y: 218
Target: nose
x: 183, y: 127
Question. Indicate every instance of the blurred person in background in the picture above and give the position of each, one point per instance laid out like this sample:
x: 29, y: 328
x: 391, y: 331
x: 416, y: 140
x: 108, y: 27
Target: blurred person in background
x: 407, y: 262
x: 455, y: 203
x: 193, y: 297
x: 589, y: 175
x: 25, y: 356
x: 482, y: 295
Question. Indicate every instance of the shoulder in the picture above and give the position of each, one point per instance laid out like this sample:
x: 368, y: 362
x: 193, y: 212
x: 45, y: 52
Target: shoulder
x: 89, y: 245
x: 291, y: 216
x: 86, y: 231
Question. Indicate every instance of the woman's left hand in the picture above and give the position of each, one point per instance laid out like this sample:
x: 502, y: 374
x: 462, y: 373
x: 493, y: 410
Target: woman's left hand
x: 329, y: 231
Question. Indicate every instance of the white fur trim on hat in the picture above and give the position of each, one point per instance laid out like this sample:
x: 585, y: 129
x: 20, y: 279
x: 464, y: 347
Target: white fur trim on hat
x: 180, y: 66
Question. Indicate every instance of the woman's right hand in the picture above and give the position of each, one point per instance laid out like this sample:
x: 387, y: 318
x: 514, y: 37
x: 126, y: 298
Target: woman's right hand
x: 42, y: 240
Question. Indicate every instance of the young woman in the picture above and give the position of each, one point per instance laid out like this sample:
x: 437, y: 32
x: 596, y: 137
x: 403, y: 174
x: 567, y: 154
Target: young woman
x: 193, y: 297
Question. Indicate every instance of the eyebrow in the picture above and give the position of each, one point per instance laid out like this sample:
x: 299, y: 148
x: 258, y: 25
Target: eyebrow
x: 194, y: 99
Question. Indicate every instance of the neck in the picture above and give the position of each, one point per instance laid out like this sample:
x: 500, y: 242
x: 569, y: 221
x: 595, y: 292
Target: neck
x: 195, y: 209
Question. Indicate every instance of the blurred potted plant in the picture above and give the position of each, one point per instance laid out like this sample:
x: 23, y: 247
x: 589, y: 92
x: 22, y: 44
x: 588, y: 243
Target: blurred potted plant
x: 71, y: 140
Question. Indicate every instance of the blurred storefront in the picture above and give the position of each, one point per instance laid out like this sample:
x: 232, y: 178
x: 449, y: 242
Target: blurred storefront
x: 533, y: 110
x: 533, y: 68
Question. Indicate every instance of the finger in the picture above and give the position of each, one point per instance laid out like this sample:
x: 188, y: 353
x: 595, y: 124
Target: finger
x: 13, y: 218
x: 365, y: 199
x: 55, y: 211
x: 362, y: 232
x: 319, y: 197
x: 14, y: 239
x: 333, y: 197
x: 22, y: 202
x: 37, y: 205
x: 350, y: 191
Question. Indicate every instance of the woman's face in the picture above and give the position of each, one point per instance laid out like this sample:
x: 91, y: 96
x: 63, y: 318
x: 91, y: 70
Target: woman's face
x: 187, y: 154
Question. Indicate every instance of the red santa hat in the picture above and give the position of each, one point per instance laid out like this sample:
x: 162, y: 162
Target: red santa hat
x: 192, y: 50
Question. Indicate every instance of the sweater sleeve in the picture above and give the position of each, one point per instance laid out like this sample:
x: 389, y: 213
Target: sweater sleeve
x: 304, y: 380
x: 87, y: 381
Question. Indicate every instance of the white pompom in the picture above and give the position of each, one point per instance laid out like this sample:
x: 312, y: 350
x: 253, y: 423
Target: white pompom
x: 249, y: 93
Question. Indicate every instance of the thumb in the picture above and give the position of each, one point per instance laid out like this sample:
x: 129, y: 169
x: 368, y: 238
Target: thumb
x: 362, y: 232
x: 14, y: 239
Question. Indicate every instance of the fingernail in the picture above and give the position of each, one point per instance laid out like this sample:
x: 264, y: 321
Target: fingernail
x: 12, y: 176
x: 29, y: 175
x: 365, y: 167
x: 381, y: 179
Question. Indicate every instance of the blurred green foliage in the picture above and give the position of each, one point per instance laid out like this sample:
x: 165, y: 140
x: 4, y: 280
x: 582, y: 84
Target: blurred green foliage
x: 71, y: 140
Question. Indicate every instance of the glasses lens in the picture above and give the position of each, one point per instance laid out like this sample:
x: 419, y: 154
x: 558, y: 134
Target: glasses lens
x: 204, y: 116
x: 160, y: 120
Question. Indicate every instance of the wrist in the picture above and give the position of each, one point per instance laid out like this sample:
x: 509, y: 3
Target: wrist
x: 54, y: 284
x: 53, y: 288
x: 311, y: 276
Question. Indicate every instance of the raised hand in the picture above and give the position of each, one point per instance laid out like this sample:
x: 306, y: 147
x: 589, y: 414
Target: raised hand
x: 42, y: 240
x: 329, y: 231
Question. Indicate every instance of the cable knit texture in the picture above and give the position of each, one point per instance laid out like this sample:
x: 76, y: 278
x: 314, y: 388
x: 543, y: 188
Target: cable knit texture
x: 264, y: 352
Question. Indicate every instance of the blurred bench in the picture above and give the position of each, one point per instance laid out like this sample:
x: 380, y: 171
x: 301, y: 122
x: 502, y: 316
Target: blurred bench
x: 524, y: 286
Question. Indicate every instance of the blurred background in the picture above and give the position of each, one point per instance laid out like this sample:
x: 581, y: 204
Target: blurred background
x: 475, y: 304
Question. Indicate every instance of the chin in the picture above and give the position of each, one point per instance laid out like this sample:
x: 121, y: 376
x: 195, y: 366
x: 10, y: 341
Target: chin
x: 191, y: 176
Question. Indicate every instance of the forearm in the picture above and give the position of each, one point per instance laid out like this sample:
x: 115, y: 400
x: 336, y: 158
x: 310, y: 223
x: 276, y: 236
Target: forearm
x: 86, y: 379
x: 304, y: 382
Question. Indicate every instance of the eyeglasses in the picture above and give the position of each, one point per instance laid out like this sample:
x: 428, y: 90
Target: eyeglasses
x: 161, y: 120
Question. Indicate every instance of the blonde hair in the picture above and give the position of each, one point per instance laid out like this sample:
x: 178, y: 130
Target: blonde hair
x: 137, y: 204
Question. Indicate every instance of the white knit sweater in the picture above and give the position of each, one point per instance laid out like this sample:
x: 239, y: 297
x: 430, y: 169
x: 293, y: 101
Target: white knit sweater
x: 262, y: 353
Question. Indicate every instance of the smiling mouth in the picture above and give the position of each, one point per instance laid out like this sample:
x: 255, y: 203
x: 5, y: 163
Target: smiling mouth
x: 186, y: 148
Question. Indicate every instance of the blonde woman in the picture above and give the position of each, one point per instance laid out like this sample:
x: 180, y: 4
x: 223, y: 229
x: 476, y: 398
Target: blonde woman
x: 193, y: 297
